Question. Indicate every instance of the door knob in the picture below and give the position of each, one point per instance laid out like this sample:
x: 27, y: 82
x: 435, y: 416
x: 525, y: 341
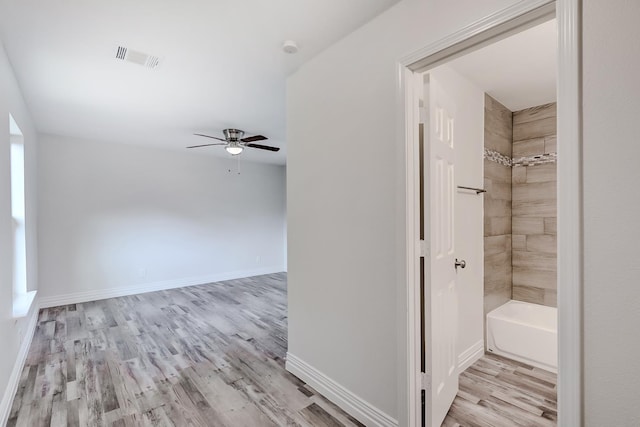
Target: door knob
x: 462, y: 263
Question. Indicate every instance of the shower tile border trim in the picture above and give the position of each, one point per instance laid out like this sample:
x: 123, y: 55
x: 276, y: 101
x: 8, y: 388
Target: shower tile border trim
x: 497, y: 157
x: 538, y: 159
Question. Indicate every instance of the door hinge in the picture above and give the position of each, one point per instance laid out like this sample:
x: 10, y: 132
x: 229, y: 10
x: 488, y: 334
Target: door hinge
x: 425, y: 380
x: 422, y: 248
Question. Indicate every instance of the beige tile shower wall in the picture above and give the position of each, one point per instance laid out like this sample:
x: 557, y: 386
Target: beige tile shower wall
x: 498, y: 137
x: 534, y: 207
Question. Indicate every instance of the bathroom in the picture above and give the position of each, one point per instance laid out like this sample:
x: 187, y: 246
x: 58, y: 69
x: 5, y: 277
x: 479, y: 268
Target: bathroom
x: 520, y: 233
x: 490, y: 149
x: 519, y: 225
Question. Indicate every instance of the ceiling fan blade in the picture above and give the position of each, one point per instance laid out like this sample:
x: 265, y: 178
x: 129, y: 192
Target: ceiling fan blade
x: 209, y: 136
x: 263, y: 147
x: 207, y: 145
x: 254, y: 138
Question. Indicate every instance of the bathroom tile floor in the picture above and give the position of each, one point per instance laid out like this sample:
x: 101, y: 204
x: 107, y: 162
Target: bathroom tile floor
x: 500, y: 392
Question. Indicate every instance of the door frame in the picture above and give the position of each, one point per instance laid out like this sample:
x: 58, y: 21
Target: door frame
x: 522, y: 15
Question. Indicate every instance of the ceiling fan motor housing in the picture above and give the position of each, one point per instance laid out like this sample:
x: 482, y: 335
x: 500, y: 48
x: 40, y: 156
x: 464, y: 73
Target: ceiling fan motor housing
x: 233, y: 134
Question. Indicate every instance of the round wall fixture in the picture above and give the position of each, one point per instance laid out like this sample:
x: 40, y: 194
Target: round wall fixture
x: 290, y: 46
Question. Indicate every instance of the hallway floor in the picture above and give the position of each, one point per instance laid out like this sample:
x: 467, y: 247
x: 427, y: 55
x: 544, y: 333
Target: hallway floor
x: 500, y: 392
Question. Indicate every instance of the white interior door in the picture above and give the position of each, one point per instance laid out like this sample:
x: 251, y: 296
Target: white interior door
x: 441, y: 302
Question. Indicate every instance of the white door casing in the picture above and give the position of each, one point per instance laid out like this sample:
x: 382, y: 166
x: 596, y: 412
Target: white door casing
x: 441, y: 303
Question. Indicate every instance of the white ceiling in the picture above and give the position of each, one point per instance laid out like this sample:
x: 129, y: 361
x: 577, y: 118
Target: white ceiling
x: 222, y: 65
x: 519, y: 71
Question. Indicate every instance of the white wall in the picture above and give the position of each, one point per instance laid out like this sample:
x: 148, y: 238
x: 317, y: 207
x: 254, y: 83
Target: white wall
x: 284, y: 228
x: 115, y: 218
x: 345, y: 192
x: 14, y: 331
x: 611, y: 212
x: 469, y: 210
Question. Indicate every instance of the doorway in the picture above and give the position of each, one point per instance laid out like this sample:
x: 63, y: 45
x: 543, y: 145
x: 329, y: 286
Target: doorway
x: 424, y: 382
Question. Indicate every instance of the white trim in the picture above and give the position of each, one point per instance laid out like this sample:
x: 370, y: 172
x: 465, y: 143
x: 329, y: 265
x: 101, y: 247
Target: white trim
x: 409, y: 83
x: 354, y: 405
x: 16, y: 373
x: 570, y: 215
x: 570, y: 250
x: 470, y: 356
x: 84, y: 296
x: 500, y: 24
x: 22, y: 303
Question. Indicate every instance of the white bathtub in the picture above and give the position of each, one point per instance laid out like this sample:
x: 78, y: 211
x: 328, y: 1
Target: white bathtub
x: 524, y: 332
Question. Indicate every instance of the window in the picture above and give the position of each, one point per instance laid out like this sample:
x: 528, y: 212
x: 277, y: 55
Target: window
x: 22, y: 298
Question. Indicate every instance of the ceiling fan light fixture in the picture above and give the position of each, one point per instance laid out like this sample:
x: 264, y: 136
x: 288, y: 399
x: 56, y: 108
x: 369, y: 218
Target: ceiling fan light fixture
x: 234, y: 142
x: 234, y: 148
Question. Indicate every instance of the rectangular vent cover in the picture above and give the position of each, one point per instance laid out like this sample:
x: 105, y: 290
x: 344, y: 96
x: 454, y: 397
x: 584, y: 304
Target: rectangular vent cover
x: 140, y: 58
x: 121, y: 53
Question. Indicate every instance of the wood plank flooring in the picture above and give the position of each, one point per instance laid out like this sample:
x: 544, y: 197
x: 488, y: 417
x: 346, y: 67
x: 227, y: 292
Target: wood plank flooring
x: 500, y: 392
x: 209, y: 355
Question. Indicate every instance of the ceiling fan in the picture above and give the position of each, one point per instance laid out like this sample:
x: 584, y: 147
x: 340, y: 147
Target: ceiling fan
x: 234, y: 142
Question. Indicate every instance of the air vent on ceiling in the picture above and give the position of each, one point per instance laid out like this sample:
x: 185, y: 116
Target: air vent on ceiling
x: 140, y: 58
x: 121, y: 53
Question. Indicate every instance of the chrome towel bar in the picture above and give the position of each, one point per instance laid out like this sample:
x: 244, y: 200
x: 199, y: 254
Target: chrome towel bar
x: 477, y: 190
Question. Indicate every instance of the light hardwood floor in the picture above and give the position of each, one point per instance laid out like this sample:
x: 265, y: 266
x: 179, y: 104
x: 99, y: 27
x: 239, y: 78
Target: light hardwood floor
x: 500, y: 392
x: 209, y: 355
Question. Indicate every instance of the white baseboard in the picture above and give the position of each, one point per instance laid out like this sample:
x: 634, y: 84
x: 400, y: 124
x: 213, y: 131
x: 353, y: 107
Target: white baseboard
x: 14, y: 378
x: 85, y: 296
x: 470, y: 356
x: 354, y: 405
